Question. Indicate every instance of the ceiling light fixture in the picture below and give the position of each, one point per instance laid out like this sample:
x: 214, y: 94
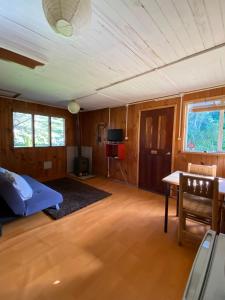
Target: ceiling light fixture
x: 67, y: 17
x: 73, y: 107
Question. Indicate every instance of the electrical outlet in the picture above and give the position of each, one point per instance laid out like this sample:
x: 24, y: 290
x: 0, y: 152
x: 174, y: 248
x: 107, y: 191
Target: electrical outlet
x: 47, y: 165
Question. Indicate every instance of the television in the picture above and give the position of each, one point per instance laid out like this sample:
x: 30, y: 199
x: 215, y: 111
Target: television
x: 115, y: 135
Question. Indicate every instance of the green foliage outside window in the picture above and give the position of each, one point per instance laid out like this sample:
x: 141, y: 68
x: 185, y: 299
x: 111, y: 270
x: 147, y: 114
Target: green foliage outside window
x: 57, y: 131
x: 205, y: 130
x: 23, y: 130
x: 41, y: 130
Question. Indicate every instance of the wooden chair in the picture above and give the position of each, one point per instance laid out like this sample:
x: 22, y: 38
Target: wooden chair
x: 198, y: 200
x: 202, y: 169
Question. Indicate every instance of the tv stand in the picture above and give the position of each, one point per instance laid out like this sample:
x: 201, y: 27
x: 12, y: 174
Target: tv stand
x: 115, y: 150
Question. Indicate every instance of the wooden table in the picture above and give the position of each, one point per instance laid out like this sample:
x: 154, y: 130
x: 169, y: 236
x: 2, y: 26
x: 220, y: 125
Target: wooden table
x: 173, y: 179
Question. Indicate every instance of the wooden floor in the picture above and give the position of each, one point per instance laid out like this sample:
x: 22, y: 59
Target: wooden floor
x: 113, y: 249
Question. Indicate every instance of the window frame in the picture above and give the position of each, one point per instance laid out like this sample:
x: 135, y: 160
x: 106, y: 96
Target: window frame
x: 33, y: 130
x: 185, y: 126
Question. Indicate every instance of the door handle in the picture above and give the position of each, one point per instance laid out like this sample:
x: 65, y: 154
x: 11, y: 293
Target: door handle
x: 168, y: 153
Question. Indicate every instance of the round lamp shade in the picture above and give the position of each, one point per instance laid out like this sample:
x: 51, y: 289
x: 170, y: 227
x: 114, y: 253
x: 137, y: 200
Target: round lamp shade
x: 73, y: 107
x: 67, y: 16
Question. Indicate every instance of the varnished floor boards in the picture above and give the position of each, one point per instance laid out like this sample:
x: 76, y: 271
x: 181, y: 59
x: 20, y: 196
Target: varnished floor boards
x: 114, y: 249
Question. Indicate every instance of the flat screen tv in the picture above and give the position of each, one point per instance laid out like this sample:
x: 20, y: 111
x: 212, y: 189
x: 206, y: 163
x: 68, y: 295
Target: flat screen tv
x: 115, y: 135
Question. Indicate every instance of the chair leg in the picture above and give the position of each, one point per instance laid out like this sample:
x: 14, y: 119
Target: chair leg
x: 184, y: 222
x: 178, y: 195
x: 180, y: 228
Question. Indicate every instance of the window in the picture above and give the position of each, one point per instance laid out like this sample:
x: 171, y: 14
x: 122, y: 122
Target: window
x: 28, y: 128
x: 41, y: 131
x: 22, y: 130
x: 57, y: 131
x: 205, y: 127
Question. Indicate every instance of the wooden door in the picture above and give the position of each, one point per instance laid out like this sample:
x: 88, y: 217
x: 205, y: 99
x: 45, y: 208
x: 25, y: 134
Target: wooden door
x: 155, y: 157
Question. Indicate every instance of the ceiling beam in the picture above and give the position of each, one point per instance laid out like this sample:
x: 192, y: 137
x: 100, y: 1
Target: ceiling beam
x: 14, y: 57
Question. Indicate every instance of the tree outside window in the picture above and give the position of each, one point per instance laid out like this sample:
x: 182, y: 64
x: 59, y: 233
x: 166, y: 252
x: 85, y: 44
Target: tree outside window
x: 28, y: 128
x: 22, y: 130
x: 205, y: 129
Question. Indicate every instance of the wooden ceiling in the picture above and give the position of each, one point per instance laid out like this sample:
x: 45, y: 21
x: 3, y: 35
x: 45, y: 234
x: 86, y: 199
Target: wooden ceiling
x: 133, y: 50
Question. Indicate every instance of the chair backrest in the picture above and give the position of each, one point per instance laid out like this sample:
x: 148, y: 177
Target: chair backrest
x: 202, y: 187
x: 199, y: 186
x: 202, y: 169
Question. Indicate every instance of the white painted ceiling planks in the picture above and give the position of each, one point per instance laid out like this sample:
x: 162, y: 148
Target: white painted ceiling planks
x: 116, y: 60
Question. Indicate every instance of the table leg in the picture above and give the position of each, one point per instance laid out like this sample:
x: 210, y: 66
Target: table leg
x: 167, y: 192
x: 177, y: 213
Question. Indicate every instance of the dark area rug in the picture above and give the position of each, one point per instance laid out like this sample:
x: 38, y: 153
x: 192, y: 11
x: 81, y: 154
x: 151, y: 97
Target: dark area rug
x: 76, y: 195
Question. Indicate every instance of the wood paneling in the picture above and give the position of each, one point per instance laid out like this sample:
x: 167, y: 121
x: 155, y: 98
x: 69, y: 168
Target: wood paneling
x: 89, y: 128
x: 30, y: 160
x: 130, y: 164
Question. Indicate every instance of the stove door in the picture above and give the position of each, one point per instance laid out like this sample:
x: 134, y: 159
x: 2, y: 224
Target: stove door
x: 200, y: 266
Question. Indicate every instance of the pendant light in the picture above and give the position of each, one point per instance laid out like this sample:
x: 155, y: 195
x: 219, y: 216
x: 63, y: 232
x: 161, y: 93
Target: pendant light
x: 67, y: 17
x: 73, y: 107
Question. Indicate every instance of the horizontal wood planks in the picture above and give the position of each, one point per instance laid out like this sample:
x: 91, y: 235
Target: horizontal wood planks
x: 129, y: 166
x: 30, y: 160
x: 121, y: 49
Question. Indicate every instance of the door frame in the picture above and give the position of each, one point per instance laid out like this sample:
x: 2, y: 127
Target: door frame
x: 173, y: 138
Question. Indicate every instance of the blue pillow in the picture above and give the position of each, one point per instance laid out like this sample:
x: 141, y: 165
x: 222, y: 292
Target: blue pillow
x: 20, y: 184
x: 2, y: 170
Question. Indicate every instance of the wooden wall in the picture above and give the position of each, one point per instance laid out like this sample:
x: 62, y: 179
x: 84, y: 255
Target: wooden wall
x: 90, y: 120
x: 30, y: 160
x: 88, y: 123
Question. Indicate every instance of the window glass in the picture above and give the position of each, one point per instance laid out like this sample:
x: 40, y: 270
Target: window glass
x: 22, y: 130
x: 202, y: 131
x: 57, y: 131
x: 41, y: 131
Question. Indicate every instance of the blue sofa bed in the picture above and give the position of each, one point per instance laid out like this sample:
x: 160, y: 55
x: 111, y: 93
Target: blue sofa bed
x: 42, y: 196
